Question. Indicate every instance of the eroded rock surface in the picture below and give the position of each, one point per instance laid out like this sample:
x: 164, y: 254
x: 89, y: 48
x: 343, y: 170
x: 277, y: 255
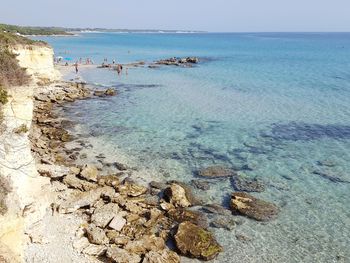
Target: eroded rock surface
x: 252, y: 207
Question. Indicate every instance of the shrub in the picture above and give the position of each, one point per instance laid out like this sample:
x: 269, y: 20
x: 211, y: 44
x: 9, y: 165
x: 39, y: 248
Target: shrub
x: 5, y: 188
x: 11, y: 74
x: 21, y: 129
x: 3, y: 96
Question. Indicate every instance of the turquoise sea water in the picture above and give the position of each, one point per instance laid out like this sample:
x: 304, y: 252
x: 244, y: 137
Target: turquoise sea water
x: 273, y: 105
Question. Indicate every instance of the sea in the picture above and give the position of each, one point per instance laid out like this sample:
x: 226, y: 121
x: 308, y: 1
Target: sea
x: 272, y: 106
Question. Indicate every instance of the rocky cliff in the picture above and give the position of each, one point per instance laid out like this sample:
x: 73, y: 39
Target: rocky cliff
x: 38, y: 60
x: 28, y: 198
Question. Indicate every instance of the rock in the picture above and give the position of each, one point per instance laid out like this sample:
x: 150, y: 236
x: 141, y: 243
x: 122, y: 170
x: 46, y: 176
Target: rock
x: 216, y: 172
x: 145, y: 244
x: 224, y: 222
x: 52, y: 171
x: 110, y: 180
x: 182, y: 215
x: 192, y: 60
x: 119, y: 255
x: 74, y: 182
x: 120, y: 166
x: 74, y: 170
x: 157, y: 185
x: 99, y: 93
x: 200, y: 184
x: 243, y: 238
x: 103, y: 215
x: 117, y: 223
x: 82, y: 199
x: 163, y: 256
x: 89, y: 172
x: 166, y: 206
x: 94, y: 250
x: 330, y: 176
x: 252, y: 207
x: 110, y: 92
x: 241, y: 183
x: 96, y: 235
x: 176, y: 195
x: 216, y: 209
x: 188, y: 192
x: 80, y: 244
x: 194, y: 241
x: 131, y: 189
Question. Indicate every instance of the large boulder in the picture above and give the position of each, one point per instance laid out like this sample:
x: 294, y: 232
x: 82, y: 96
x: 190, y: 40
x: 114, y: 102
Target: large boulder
x: 194, y: 241
x: 216, y: 172
x: 176, y: 195
x: 252, y: 207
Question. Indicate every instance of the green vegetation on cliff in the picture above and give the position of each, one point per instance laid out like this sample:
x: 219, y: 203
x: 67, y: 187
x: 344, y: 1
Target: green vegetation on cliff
x: 11, y: 73
x: 26, y: 30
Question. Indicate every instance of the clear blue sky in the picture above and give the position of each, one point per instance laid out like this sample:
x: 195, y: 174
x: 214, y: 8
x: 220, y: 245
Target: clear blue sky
x: 215, y: 15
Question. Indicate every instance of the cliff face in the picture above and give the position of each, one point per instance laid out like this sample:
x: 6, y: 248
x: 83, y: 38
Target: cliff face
x: 29, y: 198
x: 38, y: 60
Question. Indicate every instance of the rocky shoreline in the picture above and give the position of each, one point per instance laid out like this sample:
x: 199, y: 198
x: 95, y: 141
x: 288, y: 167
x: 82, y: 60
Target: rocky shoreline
x: 119, y: 220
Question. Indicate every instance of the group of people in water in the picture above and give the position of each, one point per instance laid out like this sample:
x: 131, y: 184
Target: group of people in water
x: 88, y: 61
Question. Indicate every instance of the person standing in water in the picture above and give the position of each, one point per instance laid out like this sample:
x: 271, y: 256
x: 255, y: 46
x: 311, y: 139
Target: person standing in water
x: 76, y: 68
x: 119, y: 69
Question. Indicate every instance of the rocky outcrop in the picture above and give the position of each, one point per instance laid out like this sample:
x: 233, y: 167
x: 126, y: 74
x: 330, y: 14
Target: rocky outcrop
x: 252, y: 207
x: 184, y: 62
x: 194, y: 241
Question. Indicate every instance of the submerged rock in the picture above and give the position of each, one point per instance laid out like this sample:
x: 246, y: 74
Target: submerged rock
x: 104, y: 93
x: 200, y: 184
x: 242, y: 183
x: 216, y: 209
x: 252, y: 207
x: 194, y: 241
x: 223, y: 222
x: 326, y: 174
x: 216, y: 172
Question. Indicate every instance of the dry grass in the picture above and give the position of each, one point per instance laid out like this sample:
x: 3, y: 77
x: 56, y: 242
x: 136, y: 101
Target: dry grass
x: 5, y: 188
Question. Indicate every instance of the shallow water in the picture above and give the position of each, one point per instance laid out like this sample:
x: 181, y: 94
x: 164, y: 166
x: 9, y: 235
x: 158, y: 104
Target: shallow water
x: 275, y: 106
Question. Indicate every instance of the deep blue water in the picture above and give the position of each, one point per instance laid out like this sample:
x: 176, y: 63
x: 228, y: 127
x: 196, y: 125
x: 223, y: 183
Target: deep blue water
x: 272, y: 105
